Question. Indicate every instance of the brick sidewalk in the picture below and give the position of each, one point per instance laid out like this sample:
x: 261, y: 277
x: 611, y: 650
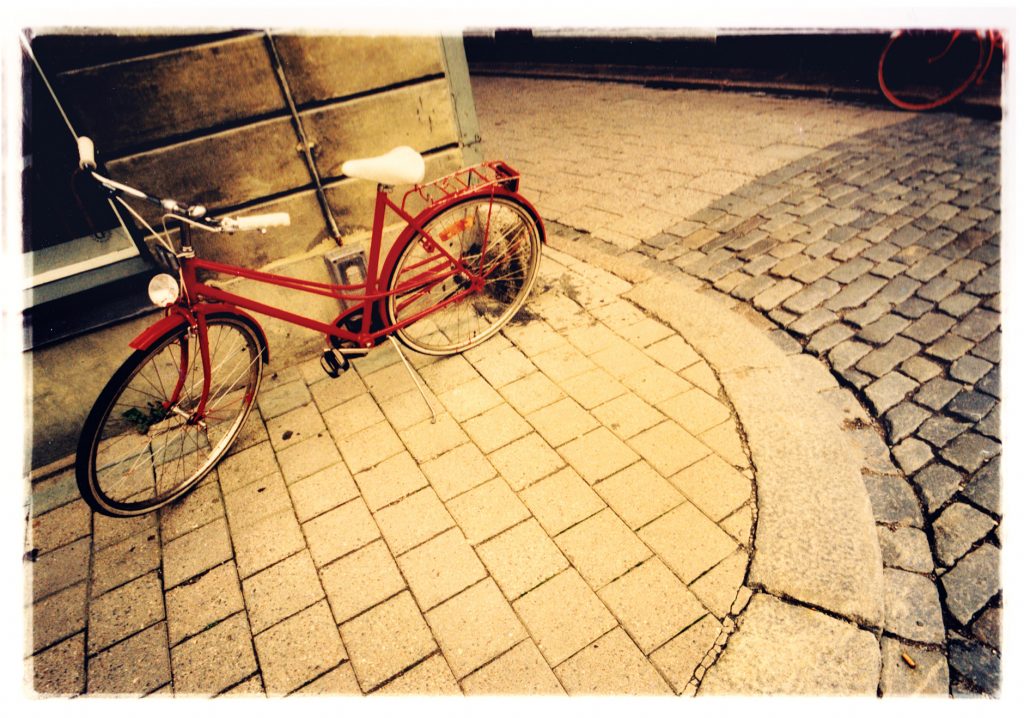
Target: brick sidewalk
x: 579, y: 519
x: 868, y: 238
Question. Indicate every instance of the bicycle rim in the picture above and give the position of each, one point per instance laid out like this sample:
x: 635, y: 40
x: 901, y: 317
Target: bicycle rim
x: 144, y: 446
x: 925, y: 69
x: 497, y: 239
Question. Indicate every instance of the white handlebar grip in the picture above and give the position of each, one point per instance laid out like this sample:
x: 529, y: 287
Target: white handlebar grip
x: 86, y: 154
x: 260, y: 221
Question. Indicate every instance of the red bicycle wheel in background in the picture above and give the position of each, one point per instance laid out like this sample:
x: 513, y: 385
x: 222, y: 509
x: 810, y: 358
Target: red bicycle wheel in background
x: 925, y: 69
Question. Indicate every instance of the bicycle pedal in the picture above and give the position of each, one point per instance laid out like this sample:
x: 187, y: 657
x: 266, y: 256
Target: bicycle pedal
x: 334, y: 364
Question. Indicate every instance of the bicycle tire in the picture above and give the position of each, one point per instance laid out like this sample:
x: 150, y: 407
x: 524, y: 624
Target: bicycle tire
x: 506, y: 223
x: 924, y: 70
x: 139, y: 458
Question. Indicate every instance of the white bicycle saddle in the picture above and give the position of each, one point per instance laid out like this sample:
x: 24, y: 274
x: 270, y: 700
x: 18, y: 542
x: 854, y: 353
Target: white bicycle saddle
x: 402, y: 165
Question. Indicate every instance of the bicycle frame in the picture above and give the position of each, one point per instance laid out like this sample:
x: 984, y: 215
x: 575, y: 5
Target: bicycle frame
x: 199, y: 298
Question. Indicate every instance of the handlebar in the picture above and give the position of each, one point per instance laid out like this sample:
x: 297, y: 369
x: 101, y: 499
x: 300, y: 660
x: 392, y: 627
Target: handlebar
x: 193, y: 214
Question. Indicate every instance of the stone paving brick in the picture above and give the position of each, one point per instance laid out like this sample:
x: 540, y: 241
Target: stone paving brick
x: 194, y: 606
x: 678, y: 659
x: 339, y: 531
x: 903, y: 419
x: 487, y: 510
x: 753, y: 286
x: 667, y: 447
x: 972, y: 582
x: 602, y: 548
x: 504, y: 367
x: 638, y: 494
x: 914, y: 308
x: 563, y: 363
x: 413, y: 520
x: 386, y: 640
x: 920, y: 369
x: 928, y: 677
x: 294, y: 426
x: 267, y: 541
x: 940, y: 430
x: 655, y: 383
x: 815, y: 270
x: 562, y: 421
x: 458, y: 470
x: 474, y: 627
x: 189, y: 555
x: 58, y: 616
x: 880, y: 362
x: 561, y: 500
x: 850, y: 269
x: 520, y: 671
x: 525, y: 460
x: 532, y: 392
x: 469, y: 399
x: 845, y: 355
x: 196, y: 509
x: 715, y: 487
x: 969, y: 369
x: 695, y: 410
x: 811, y: 296
x: 59, y: 670
x: 813, y: 321
x: 626, y: 416
x: 256, y: 500
x: 936, y: 393
x: 970, y: 450
x: 776, y: 295
x: 298, y: 649
x: 884, y: 329
x: 136, y: 666
x: 69, y: 564
x: 929, y: 327
x: 855, y: 293
x: 270, y: 595
x: 984, y: 489
x: 358, y: 581
x: 597, y: 455
x: 563, y: 616
x: 215, y: 659
x: 958, y: 528
x: 725, y: 441
x: 283, y: 398
x: 432, y: 677
x: 905, y: 548
x: 718, y: 588
x: 912, y: 608
x: 308, y: 457
x: 60, y: 527
x: 700, y: 375
x: 911, y: 455
x: 673, y: 353
x: 521, y: 558
x: 322, y: 491
x: 238, y: 469
x: 687, y: 541
x: 611, y: 665
x: 329, y: 393
x: 652, y: 604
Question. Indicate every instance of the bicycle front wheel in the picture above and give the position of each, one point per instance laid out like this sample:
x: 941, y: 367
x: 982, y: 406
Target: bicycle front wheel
x: 924, y: 69
x: 145, y: 443
x: 498, y: 241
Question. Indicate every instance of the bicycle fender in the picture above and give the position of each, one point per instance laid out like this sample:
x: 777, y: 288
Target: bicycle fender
x: 425, y: 216
x: 175, y: 319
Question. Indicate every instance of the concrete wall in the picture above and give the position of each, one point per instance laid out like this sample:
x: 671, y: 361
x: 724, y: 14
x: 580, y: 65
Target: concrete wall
x: 207, y: 122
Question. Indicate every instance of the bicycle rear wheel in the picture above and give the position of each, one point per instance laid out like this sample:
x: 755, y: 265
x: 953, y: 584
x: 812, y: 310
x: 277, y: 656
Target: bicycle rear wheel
x: 924, y: 69
x: 143, y: 445
x: 498, y: 239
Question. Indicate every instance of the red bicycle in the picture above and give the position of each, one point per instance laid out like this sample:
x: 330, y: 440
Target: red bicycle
x: 925, y: 69
x: 461, y: 268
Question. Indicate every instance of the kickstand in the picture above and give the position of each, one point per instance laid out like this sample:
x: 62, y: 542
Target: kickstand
x: 415, y: 379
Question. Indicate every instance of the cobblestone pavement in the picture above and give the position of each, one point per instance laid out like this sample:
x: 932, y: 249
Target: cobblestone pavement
x: 868, y: 239
x: 578, y: 520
